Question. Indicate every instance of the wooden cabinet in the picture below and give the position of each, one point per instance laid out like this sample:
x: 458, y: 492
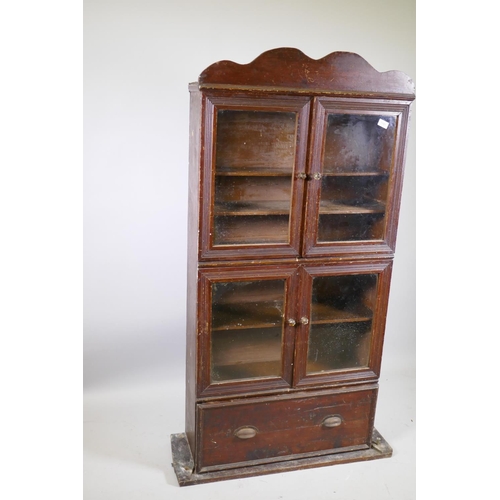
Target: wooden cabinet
x: 296, y: 167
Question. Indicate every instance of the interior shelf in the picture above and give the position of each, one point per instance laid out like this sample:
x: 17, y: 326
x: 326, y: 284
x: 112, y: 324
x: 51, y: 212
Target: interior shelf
x: 354, y: 173
x: 253, y: 171
x: 327, y: 314
x: 253, y: 315
x: 268, y: 207
x: 351, y: 207
x: 281, y: 172
x: 249, y: 316
x: 283, y: 208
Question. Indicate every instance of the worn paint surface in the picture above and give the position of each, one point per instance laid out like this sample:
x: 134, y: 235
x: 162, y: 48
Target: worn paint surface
x: 182, y: 460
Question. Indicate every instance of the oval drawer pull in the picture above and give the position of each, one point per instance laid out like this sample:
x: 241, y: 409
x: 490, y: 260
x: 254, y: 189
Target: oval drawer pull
x: 245, y: 432
x: 332, y: 421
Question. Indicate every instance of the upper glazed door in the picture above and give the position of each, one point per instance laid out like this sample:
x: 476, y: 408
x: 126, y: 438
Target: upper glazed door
x: 355, y: 175
x: 253, y: 176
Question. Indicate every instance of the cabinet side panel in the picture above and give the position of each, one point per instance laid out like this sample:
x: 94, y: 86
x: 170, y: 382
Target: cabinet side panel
x: 192, y: 262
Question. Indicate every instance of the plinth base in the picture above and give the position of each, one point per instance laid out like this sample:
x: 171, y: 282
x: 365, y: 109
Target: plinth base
x: 183, y: 462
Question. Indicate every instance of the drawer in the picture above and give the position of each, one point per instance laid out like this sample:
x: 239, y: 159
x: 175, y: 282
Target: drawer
x: 269, y: 429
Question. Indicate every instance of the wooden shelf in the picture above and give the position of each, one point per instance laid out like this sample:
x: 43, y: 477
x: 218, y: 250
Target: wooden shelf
x: 247, y: 316
x: 327, y: 314
x: 253, y: 172
x: 355, y: 173
x: 238, y: 208
x: 252, y: 316
x: 281, y: 172
x: 328, y: 207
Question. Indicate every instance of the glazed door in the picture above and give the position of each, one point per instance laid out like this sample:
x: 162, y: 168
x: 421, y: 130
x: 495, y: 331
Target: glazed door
x: 342, y: 322
x: 253, y: 177
x: 246, y: 342
x: 355, y: 176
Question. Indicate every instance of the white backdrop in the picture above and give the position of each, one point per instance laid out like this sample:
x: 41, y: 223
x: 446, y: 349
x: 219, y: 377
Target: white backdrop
x: 139, y: 56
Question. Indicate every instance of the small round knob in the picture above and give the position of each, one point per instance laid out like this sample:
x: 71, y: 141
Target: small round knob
x: 301, y: 175
x: 292, y: 322
x: 304, y: 320
x: 317, y: 176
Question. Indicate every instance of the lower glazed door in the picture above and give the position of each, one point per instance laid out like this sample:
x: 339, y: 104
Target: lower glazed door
x: 343, y: 321
x: 245, y: 342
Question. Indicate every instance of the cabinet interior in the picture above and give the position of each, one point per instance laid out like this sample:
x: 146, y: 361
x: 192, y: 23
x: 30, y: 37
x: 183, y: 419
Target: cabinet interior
x: 357, y: 164
x: 341, y: 322
x: 254, y: 167
x: 247, y: 329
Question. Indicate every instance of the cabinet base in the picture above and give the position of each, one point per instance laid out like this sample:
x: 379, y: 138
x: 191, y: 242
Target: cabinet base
x: 183, y: 462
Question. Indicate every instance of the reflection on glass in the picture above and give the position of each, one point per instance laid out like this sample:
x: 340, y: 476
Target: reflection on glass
x: 356, y: 168
x: 255, y: 157
x: 341, y: 322
x: 247, y: 329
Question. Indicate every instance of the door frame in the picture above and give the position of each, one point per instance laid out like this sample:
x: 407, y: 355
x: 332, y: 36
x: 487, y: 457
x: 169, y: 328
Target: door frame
x: 212, y: 103
x: 322, y: 106
x: 353, y: 375
x: 207, y: 277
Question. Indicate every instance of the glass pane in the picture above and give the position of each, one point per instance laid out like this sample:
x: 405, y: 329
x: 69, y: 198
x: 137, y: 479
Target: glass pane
x: 255, y: 157
x: 355, y: 177
x: 247, y: 329
x: 341, y: 322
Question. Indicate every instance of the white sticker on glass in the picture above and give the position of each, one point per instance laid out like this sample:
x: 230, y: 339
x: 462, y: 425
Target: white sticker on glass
x: 382, y: 123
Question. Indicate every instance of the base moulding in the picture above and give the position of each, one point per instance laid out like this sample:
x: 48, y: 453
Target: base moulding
x: 183, y: 462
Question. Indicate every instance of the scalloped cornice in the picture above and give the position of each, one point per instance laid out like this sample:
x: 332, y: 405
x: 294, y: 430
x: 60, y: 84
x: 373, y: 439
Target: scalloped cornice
x: 336, y: 73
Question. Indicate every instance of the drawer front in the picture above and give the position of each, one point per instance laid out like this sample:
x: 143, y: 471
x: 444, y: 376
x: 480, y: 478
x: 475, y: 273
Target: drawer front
x: 270, y: 429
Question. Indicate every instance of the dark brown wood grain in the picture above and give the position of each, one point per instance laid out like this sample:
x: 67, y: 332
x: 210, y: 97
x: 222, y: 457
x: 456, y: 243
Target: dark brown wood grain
x: 284, y: 427
x: 340, y: 72
x: 183, y: 462
x: 192, y: 270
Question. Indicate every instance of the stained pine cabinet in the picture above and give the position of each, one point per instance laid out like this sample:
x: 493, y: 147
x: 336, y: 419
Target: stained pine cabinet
x: 296, y: 170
